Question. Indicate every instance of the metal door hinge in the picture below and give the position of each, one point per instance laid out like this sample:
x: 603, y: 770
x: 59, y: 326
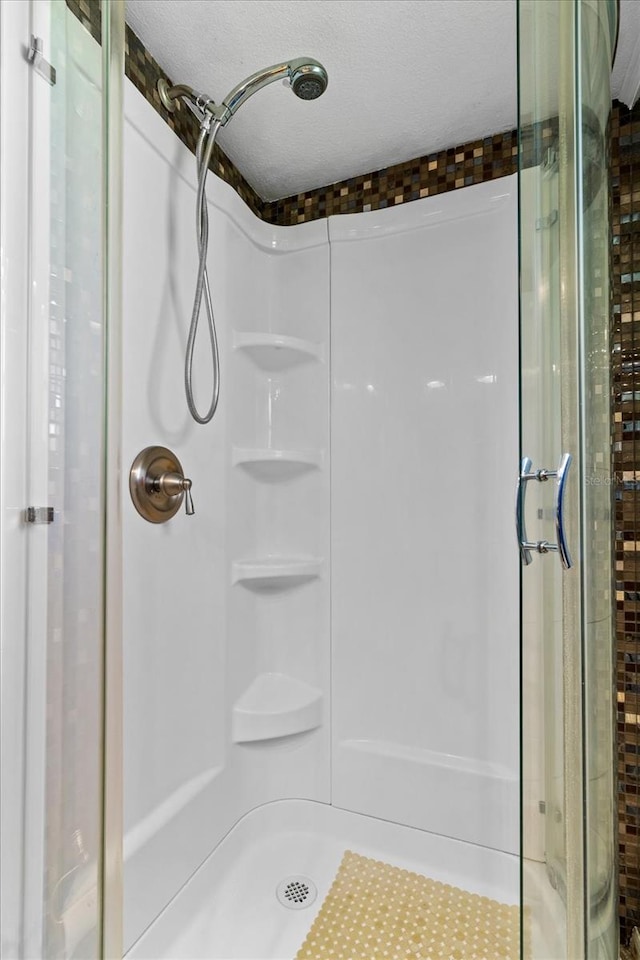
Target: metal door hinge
x: 35, y: 57
x: 39, y: 515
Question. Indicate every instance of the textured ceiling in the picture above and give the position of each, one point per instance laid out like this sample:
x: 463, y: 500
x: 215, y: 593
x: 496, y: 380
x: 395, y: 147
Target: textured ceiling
x: 406, y: 77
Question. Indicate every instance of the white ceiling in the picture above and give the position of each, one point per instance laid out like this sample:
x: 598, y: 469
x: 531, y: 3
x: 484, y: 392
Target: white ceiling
x: 406, y: 77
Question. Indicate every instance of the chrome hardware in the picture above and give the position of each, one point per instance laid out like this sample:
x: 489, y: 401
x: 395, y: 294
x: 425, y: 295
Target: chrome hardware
x: 39, y: 515
x: 543, y: 546
x: 188, y: 499
x: 168, y: 94
x: 158, y: 485
x: 562, y: 474
x: 163, y: 90
x: 174, y: 484
x: 306, y: 77
x: 35, y: 57
x: 521, y: 531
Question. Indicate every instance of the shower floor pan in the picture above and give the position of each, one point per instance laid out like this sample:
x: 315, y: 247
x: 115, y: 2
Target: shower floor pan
x: 233, y: 907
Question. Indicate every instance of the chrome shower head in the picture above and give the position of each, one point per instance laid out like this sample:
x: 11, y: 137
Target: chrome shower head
x: 307, y: 77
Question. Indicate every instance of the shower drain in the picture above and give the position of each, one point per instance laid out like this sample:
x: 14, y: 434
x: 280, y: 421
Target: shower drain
x: 296, y: 892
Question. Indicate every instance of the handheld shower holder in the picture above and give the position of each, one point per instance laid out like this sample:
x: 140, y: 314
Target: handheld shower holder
x: 206, y: 109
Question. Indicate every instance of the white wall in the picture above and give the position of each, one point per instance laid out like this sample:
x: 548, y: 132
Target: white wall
x: 194, y: 640
x: 424, y: 320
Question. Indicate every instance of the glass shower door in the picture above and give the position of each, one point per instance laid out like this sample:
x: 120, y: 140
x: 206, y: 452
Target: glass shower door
x: 564, y: 490
x: 67, y: 909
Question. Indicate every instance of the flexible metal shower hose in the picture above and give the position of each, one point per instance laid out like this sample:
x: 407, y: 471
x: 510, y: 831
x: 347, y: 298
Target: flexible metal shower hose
x: 204, y: 150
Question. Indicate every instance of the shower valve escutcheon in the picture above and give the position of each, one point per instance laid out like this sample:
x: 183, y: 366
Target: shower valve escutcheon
x: 158, y: 485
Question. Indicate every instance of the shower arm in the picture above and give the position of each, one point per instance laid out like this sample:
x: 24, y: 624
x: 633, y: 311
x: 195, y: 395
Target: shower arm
x: 223, y: 112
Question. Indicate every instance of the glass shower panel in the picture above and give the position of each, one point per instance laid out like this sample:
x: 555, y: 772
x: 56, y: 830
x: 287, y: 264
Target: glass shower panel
x: 568, y: 888
x: 543, y: 759
x: 66, y: 568
x: 76, y: 562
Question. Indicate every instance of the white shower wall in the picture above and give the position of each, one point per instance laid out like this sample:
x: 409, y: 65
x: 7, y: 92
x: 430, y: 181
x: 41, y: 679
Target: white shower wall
x: 229, y: 633
x: 424, y: 352
x: 213, y: 650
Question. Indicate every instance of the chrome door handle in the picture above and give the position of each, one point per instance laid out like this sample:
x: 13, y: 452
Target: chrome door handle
x: 543, y: 546
x: 561, y: 473
x: 521, y: 532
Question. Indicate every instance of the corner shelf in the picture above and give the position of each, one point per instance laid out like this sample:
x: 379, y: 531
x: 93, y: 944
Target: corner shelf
x: 273, y: 351
x: 275, y: 705
x: 275, y: 573
x: 269, y: 464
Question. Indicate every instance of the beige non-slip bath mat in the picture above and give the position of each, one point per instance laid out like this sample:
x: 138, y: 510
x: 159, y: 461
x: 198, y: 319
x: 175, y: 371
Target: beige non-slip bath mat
x: 374, y: 911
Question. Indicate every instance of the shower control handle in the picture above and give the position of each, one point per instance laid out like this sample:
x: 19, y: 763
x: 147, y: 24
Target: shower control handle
x: 172, y: 485
x: 188, y: 499
x: 158, y: 486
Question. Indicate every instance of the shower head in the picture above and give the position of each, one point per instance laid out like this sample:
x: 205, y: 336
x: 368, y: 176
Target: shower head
x: 307, y: 77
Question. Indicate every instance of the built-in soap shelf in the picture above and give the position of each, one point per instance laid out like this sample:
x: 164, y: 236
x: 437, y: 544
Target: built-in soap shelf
x: 270, y: 464
x: 274, y: 351
x: 275, y: 573
x: 276, y: 705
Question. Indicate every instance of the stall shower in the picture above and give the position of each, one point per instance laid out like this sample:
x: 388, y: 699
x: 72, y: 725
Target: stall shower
x: 317, y: 663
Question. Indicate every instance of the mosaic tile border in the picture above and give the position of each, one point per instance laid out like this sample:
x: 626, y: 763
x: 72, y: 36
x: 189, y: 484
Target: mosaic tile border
x: 461, y: 166
x: 425, y: 176
x: 625, y: 342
